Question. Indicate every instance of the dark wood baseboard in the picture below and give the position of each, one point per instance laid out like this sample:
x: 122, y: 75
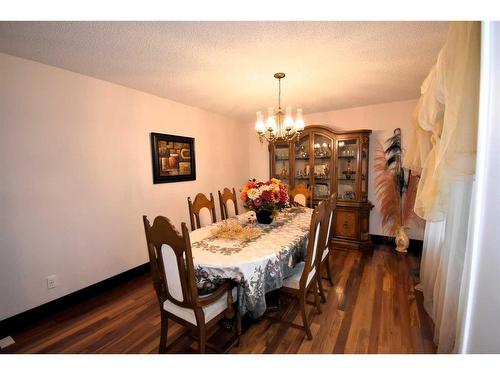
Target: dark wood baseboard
x: 415, y: 245
x: 17, y: 323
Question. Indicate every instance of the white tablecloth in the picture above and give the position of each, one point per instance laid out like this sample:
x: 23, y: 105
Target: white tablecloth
x: 258, y: 265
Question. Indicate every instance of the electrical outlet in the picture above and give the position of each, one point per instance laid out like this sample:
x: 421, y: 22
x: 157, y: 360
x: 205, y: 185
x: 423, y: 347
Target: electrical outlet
x: 51, y: 281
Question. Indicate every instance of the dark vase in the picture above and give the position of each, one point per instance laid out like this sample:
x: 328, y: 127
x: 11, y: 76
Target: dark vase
x: 264, y: 217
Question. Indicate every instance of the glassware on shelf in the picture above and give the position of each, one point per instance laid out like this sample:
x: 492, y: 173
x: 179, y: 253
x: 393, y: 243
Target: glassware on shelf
x: 349, y: 195
x: 281, y: 153
x: 301, y: 152
x: 349, y: 172
x: 323, y: 150
x: 346, y: 149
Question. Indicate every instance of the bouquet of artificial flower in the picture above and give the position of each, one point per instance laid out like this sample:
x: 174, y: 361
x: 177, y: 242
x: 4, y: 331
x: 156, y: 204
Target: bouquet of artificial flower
x: 270, y: 196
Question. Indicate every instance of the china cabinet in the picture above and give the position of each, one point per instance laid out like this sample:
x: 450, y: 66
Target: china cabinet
x: 328, y: 162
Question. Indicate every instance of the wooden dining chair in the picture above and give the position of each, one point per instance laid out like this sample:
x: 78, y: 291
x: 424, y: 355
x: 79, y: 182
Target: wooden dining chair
x: 300, y: 195
x: 174, y: 281
x: 200, y: 202
x: 325, y: 239
x: 224, y: 197
x: 303, y: 280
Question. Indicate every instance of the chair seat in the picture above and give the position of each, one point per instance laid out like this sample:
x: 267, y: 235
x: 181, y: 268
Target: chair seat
x: 210, y: 311
x: 293, y: 282
x: 325, y: 254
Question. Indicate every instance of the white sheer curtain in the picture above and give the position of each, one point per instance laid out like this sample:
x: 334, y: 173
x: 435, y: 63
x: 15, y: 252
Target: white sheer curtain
x: 442, y: 266
x: 445, y: 132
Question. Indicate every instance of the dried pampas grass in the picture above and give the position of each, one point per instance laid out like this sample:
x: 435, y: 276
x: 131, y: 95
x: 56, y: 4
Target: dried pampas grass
x: 231, y: 229
x: 396, y: 205
x: 387, y: 192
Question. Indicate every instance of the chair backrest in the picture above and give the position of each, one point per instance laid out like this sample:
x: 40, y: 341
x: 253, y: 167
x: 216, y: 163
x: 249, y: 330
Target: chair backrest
x: 224, y: 197
x: 328, y: 223
x: 313, y: 245
x: 171, y: 262
x: 200, y: 202
x: 301, y: 194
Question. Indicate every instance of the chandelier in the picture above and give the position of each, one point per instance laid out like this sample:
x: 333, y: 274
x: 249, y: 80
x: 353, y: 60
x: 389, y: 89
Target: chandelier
x: 279, y: 126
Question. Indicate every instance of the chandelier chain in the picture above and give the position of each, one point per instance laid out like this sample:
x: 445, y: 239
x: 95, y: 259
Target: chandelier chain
x: 279, y: 93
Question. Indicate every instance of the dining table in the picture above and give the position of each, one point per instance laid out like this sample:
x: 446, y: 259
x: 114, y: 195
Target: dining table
x: 258, y: 265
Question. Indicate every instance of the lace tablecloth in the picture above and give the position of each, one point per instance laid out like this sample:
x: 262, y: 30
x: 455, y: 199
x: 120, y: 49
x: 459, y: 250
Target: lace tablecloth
x: 259, y: 265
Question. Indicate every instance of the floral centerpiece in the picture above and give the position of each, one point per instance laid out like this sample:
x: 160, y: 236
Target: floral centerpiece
x: 265, y: 198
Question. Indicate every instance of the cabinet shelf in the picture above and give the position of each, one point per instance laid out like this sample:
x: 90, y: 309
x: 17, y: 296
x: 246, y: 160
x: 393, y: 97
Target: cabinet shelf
x: 322, y: 157
x: 346, y: 157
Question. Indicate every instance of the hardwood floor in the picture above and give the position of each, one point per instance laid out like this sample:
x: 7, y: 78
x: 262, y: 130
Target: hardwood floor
x: 372, y: 308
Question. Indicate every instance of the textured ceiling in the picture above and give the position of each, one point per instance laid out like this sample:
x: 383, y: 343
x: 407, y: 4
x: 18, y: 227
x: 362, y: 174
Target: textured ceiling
x: 228, y: 67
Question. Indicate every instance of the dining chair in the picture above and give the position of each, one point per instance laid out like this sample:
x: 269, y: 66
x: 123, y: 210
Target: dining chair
x: 300, y: 195
x: 224, y: 197
x: 174, y: 281
x: 195, y: 207
x: 325, y: 238
x: 303, y: 279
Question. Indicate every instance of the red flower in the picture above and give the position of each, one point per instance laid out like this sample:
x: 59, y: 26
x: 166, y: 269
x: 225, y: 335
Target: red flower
x: 257, y: 202
x: 283, y: 196
x: 267, y: 195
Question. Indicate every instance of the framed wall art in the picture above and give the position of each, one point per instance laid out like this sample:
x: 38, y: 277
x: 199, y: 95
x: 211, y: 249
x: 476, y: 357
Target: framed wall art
x: 173, y: 158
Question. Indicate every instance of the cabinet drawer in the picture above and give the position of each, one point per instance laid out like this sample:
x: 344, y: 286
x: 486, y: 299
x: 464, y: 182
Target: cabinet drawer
x: 346, y: 224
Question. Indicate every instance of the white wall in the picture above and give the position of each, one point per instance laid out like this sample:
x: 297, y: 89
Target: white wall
x: 76, y: 177
x: 382, y: 119
x: 258, y: 155
x: 481, y: 331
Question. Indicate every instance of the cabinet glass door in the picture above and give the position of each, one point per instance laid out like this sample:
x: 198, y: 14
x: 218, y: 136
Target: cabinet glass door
x: 322, y: 166
x: 281, y: 163
x: 347, y: 154
x: 302, y: 165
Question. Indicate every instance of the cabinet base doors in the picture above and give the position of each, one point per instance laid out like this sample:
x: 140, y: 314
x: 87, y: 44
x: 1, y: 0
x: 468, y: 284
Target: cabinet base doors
x: 352, y: 224
x: 346, y: 224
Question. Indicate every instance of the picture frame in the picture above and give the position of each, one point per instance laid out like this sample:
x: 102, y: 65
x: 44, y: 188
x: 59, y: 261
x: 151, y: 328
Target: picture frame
x: 173, y: 158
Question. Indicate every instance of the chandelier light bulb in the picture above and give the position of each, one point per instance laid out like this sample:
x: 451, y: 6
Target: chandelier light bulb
x: 288, y: 122
x: 271, y: 121
x: 260, y: 127
x: 299, y: 122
